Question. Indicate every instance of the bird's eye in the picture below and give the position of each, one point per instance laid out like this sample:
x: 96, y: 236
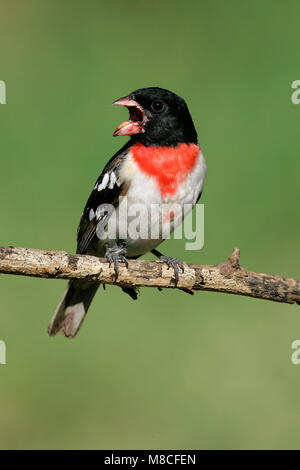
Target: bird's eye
x: 157, y: 106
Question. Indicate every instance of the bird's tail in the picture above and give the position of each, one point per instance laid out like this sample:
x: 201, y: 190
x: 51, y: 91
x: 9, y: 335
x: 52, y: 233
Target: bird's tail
x: 72, y: 309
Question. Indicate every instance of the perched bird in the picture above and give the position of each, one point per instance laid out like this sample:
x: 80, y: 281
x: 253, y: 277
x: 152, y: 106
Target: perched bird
x: 159, y: 171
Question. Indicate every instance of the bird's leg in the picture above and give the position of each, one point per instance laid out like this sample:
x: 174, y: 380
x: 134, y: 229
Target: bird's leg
x: 174, y: 263
x: 115, y: 255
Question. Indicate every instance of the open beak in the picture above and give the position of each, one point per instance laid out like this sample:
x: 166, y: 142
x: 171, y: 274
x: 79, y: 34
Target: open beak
x: 137, y: 118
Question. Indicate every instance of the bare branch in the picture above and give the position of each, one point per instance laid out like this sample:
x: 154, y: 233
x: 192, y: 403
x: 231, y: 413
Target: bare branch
x: 227, y: 276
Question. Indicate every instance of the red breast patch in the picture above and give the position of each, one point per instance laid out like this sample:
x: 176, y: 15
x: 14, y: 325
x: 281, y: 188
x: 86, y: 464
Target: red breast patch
x: 168, y: 165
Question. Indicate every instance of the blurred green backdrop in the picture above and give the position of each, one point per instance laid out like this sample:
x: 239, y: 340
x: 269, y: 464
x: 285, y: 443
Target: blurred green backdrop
x: 168, y: 371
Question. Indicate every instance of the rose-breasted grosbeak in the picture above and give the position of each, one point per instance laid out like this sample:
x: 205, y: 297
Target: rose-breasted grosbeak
x: 160, y: 167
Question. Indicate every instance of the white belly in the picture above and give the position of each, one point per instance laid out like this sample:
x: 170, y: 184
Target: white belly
x: 144, y: 217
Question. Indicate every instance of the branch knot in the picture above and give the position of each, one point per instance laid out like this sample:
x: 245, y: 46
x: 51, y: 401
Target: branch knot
x: 234, y: 258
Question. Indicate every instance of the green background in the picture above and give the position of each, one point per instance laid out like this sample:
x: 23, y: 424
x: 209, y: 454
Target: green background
x: 168, y: 371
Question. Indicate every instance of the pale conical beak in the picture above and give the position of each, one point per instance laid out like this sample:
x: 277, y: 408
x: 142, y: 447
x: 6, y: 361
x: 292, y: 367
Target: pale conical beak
x: 135, y: 125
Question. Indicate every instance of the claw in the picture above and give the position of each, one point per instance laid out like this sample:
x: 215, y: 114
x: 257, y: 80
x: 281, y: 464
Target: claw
x: 124, y: 260
x: 175, y: 264
x: 115, y: 258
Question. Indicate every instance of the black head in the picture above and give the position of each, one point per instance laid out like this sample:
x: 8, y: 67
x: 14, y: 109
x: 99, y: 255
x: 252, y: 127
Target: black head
x: 157, y: 117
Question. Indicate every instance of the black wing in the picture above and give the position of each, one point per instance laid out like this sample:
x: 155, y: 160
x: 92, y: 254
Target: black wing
x: 199, y: 195
x: 106, y: 191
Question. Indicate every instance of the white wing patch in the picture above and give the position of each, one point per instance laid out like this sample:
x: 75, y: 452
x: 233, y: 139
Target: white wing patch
x: 104, y: 182
x: 113, y: 180
x: 109, y: 180
x: 91, y: 214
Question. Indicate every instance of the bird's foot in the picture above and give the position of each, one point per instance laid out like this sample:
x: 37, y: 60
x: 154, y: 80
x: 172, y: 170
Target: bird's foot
x: 174, y: 263
x: 115, y: 258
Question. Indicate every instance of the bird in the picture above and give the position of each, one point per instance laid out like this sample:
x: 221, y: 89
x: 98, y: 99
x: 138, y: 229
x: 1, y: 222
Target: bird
x: 161, y: 167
